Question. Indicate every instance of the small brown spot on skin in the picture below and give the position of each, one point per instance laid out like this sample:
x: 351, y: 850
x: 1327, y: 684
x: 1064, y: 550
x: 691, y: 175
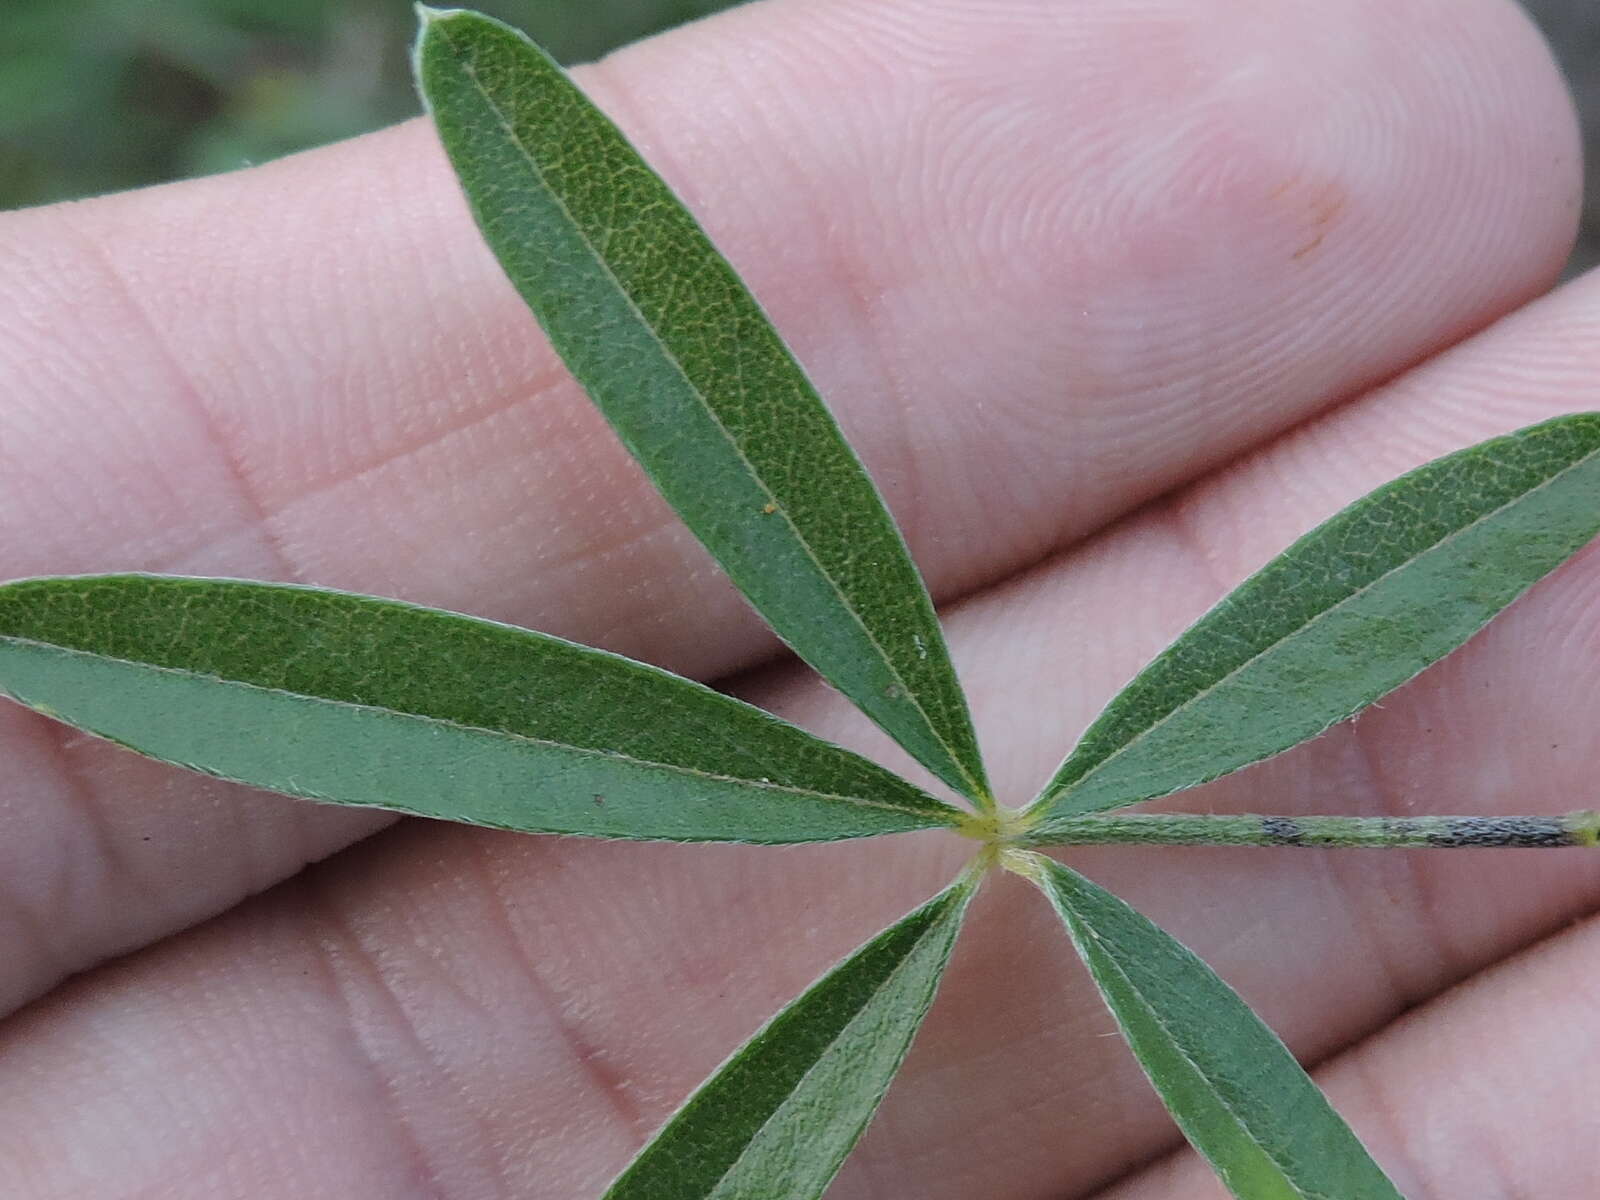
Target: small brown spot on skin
x: 1327, y: 204
x: 1307, y: 248
x: 1321, y: 201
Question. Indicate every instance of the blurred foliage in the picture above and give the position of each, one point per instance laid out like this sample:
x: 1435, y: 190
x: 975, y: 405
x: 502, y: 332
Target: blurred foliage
x: 1573, y: 27
x: 97, y: 95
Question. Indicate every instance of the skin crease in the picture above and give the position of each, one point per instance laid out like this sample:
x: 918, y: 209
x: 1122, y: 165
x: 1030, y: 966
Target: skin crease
x: 1116, y: 299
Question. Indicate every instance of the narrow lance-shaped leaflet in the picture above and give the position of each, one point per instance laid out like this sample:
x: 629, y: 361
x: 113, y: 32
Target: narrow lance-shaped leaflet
x: 1237, y: 1093
x: 777, y: 1119
x: 363, y: 701
x: 684, y: 364
x: 1348, y: 613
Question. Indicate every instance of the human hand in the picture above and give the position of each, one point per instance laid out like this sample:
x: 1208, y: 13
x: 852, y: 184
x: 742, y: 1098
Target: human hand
x: 1046, y: 269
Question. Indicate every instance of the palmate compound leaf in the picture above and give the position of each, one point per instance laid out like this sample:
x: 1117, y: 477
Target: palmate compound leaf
x: 357, y: 700
x: 1348, y: 613
x: 679, y: 357
x: 1236, y: 1092
x: 777, y: 1119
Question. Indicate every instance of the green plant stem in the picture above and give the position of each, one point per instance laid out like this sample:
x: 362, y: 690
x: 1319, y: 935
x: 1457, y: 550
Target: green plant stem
x: 1184, y: 829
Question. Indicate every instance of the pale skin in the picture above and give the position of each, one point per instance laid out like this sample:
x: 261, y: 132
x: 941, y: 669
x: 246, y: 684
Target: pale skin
x: 1068, y: 274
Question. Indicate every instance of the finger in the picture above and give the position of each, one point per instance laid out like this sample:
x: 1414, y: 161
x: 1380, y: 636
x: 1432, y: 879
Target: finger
x: 246, y: 410
x: 295, y: 1045
x: 1065, y: 318
x: 560, y: 998
x: 1480, y: 1093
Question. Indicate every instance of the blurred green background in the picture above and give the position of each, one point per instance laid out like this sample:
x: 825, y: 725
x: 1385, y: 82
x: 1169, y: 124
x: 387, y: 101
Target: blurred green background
x: 97, y: 95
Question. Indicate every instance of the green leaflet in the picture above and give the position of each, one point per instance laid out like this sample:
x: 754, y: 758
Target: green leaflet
x: 1237, y: 1093
x: 1349, y: 612
x: 364, y: 701
x: 777, y: 1119
x: 684, y: 364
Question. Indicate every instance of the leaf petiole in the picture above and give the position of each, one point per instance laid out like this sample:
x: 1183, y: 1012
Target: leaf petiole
x: 1188, y: 829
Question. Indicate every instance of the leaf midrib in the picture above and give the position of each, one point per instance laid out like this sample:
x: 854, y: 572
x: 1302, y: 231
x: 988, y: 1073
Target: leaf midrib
x: 906, y: 691
x: 1079, y: 783
x: 467, y: 727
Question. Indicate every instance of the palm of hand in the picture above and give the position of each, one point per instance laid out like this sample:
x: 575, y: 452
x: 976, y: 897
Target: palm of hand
x: 1108, y: 314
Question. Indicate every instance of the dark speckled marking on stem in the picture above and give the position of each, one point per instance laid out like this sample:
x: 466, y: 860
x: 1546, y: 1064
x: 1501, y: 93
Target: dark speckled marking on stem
x: 1505, y: 831
x: 1282, y: 831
